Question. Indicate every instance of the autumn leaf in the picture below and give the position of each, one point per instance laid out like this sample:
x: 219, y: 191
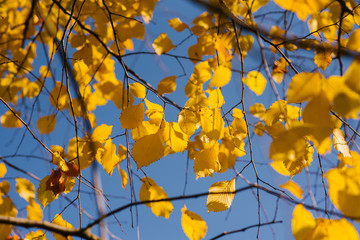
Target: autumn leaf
x: 323, y: 56
x: 58, y: 220
x: 162, y: 44
x: 222, y: 201
x: 177, y: 24
x: 151, y: 191
x: 34, y: 211
x: 25, y: 189
x: 167, y: 85
x: 138, y: 90
x: 109, y: 159
x: 148, y: 149
x: 256, y: 82
x: 132, y: 116
x: 8, y: 120
x: 2, y: 170
x: 193, y: 225
x: 7, y: 208
x: 294, y: 188
x: 221, y: 76
x: 304, y: 86
x: 207, y: 162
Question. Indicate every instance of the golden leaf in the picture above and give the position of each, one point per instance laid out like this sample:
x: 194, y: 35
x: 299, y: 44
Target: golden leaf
x: 294, y: 188
x: 58, y: 220
x: 256, y: 82
x: 148, y: 149
x: 138, y: 90
x: 207, y: 162
x: 304, y: 86
x: 162, y: 44
x: 222, y: 76
x: 322, y: 56
x: 46, y: 124
x: 222, y: 201
x: 34, y: 211
x: 8, y: 120
x: 25, y: 189
x: 167, y: 85
x: 177, y: 24
x: 132, y: 116
x: 109, y: 159
x: 7, y: 208
x: 151, y: 191
x: 193, y: 225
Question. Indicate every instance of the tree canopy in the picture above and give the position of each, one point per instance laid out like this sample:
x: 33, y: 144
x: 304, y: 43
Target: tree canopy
x: 221, y: 117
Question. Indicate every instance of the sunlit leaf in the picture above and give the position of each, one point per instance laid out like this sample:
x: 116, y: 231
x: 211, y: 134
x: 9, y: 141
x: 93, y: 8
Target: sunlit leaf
x: 124, y: 178
x: 167, y: 85
x: 8, y: 120
x: 58, y: 220
x: 193, y: 225
x: 132, y: 116
x: 222, y: 201
x: 304, y: 86
x: 340, y: 143
x: 109, y: 159
x: 256, y: 82
x: 257, y: 110
x: 2, y: 170
x: 38, y: 235
x: 138, y: 90
x: 323, y: 56
x: 162, y: 44
x: 303, y: 8
x: 151, y: 191
x: 148, y: 149
x: 7, y: 208
x: 207, y: 162
x: 216, y: 99
x: 294, y: 188
x: 34, y: 211
x: 46, y: 124
x: 177, y: 24
x: 101, y: 133
x: 25, y: 188
x: 221, y: 76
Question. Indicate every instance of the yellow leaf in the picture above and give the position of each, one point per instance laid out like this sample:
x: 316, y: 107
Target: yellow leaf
x: 256, y: 82
x: 275, y: 113
x: 59, y: 97
x: 193, y: 225
x: 31, y: 89
x: 202, y: 73
x: 216, y: 99
x: 58, y: 220
x: 167, y: 85
x: 122, y: 152
x: 188, y: 121
x: 175, y: 138
x: 154, y: 110
x: 132, y: 116
x: 212, y: 123
x: 353, y: 42
x: 2, y: 170
x: 162, y: 44
x: 280, y: 168
x: 305, y: 227
x: 4, y: 187
x: 25, y: 189
x: 207, y: 162
x: 109, y: 159
x: 222, y: 201
x: 222, y: 76
x: 294, y: 188
x: 317, y: 114
x: 81, y: 72
x: 38, y: 235
x: 7, y: 208
x: 344, y: 189
x: 257, y: 110
x: 259, y: 129
x: 302, y: 223
x: 352, y: 74
x: 8, y: 120
x: 138, y: 90
x: 34, y: 211
x: 147, y: 8
x: 303, y: 8
x: 322, y: 56
x: 177, y: 24
x: 340, y: 143
x: 304, y: 86
x: 101, y: 133
x: 151, y: 191
x: 46, y: 124
x: 148, y: 149
x: 124, y: 178
x: 45, y: 196
x: 228, y: 152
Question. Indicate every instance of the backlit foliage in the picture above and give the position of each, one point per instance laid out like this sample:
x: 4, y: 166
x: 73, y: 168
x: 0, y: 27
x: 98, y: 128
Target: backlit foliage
x: 265, y: 83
